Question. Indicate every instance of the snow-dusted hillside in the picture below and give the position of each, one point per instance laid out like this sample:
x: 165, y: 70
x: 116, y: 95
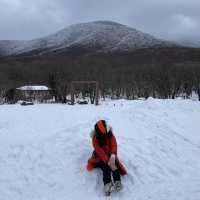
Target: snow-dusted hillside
x: 44, y: 150
x: 99, y: 35
x: 189, y: 43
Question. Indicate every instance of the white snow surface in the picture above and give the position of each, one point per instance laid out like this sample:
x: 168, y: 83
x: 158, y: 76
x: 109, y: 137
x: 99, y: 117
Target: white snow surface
x: 103, y: 35
x: 33, y: 87
x: 44, y: 150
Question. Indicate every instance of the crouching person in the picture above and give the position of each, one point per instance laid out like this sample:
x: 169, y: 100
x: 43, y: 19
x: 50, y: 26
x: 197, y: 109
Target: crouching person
x: 105, y: 157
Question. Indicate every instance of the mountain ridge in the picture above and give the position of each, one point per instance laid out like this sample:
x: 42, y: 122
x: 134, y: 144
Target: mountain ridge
x: 100, y: 36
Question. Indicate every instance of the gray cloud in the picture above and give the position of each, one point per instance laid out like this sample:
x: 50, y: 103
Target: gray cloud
x: 28, y: 19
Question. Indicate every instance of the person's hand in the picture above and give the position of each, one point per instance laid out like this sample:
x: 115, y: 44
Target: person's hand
x: 111, y: 162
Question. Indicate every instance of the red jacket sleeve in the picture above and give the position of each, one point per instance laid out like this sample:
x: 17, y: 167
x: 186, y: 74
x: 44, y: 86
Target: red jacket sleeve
x: 113, y: 145
x: 99, y: 151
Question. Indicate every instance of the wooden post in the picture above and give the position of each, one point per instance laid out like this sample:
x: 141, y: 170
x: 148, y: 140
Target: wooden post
x: 97, y: 94
x: 72, y: 93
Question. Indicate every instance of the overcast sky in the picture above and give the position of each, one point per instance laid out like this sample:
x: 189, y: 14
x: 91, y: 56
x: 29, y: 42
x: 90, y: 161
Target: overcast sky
x: 167, y: 19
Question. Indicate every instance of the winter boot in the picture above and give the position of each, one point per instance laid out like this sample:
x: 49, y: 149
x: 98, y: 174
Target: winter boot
x: 118, y: 185
x: 108, y: 189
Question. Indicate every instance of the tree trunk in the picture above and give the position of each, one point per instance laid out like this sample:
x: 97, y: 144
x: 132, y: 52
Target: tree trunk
x: 198, y: 92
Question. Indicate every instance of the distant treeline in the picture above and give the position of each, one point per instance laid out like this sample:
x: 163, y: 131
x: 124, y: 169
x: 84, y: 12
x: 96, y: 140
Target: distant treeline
x: 160, y: 73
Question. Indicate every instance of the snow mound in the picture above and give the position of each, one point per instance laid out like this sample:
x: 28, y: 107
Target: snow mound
x: 44, y: 150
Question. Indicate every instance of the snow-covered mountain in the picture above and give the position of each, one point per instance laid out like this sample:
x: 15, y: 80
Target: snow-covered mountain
x: 98, y: 35
x: 189, y: 43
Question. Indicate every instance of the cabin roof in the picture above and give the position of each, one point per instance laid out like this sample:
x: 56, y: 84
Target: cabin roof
x: 33, y: 87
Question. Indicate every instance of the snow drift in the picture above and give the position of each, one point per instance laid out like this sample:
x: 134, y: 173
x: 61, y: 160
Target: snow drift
x: 44, y: 150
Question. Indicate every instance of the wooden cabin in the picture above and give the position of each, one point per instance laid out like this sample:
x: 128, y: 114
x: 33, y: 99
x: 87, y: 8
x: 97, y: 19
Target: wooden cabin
x: 34, y: 93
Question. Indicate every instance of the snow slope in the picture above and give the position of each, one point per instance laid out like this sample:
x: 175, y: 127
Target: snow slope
x: 100, y: 35
x: 44, y: 150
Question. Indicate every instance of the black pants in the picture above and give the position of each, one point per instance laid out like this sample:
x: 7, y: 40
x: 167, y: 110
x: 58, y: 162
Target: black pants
x: 107, y: 172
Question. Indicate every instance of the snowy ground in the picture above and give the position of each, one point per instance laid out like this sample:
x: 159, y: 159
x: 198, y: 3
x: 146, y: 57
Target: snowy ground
x: 44, y: 150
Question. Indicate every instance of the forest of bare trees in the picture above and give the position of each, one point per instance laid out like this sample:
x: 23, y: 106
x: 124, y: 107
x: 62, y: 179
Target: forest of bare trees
x: 160, y: 73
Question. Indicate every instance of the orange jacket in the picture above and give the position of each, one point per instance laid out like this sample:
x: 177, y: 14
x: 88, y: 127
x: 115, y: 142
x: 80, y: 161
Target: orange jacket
x: 102, y: 153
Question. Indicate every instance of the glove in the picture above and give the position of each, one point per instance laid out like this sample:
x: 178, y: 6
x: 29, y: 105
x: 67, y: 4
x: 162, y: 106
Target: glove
x: 111, y: 162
